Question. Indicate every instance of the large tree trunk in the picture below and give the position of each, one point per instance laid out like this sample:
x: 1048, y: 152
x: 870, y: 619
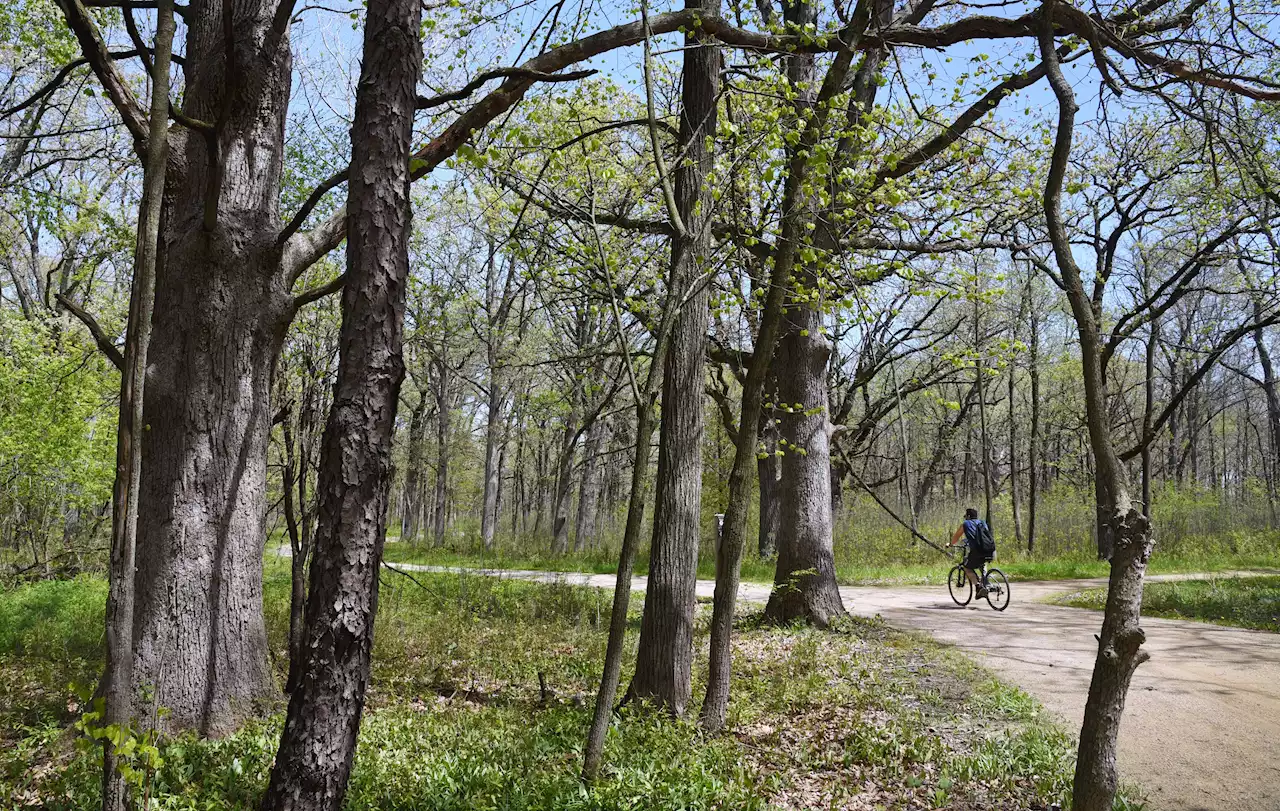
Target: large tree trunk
x: 319, y: 740
x: 665, y: 657
x: 222, y: 307
x: 800, y: 369
x: 805, y: 580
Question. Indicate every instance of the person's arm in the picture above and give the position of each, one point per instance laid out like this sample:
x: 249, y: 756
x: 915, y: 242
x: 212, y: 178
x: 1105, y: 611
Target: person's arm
x: 957, y: 535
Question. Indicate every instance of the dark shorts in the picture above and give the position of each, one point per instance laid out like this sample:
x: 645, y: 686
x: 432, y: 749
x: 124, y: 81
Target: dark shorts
x: 976, y: 559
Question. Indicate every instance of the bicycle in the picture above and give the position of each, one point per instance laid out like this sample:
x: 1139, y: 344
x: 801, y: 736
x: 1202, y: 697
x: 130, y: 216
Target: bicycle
x: 993, y: 580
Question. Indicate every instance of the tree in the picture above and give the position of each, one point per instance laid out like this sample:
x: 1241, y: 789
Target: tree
x: 319, y: 739
x: 119, y: 685
x: 664, y: 660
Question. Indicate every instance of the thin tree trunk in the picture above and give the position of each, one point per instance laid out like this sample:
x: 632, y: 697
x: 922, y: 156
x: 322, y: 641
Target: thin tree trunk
x: 119, y: 693
x: 796, y: 210
x: 586, y: 527
x: 984, y: 438
x: 1034, y: 451
x: 1272, y: 393
x: 411, y: 512
x: 318, y: 744
x: 492, y: 457
x: 664, y: 659
x: 1013, y: 459
x: 441, y: 504
x: 1119, y: 653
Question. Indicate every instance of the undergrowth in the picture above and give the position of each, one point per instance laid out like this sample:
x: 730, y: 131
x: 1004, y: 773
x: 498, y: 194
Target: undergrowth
x: 481, y: 695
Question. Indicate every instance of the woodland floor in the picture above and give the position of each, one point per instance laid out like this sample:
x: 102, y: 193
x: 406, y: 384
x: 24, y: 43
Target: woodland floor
x: 1201, y: 728
x: 869, y: 717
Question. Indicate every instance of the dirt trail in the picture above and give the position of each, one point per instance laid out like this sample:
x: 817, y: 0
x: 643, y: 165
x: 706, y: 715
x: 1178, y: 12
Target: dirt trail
x: 1201, y: 729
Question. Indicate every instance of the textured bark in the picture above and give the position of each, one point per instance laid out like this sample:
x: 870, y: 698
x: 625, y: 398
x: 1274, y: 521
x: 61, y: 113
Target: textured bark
x: 664, y: 659
x: 805, y: 579
x: 800, y: 368
x: 768, y: 474
x: 796, y: 219
x: 222, y: 306
x: 318, y: 744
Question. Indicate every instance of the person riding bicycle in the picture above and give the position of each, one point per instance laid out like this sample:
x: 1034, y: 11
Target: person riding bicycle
x: 982, y: 546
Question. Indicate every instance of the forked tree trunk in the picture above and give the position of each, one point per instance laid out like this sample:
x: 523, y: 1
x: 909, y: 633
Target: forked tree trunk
x: 805, y: 578
x: 664, y: 659
x: 319, y: 740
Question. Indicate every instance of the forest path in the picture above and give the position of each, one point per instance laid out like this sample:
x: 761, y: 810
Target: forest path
x: 1201, y: 728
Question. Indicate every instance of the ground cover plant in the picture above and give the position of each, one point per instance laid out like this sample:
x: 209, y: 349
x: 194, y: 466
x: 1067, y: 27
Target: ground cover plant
x: 479, y: 698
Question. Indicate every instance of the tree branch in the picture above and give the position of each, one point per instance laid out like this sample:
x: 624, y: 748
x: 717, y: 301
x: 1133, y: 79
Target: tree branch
x: 500, y: 73
x: 99, y: 58
x: 316, y: 293
x: 100, y: 336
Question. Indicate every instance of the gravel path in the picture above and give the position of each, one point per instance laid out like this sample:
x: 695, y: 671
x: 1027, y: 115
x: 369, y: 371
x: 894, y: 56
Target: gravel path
x: 1201, y: 728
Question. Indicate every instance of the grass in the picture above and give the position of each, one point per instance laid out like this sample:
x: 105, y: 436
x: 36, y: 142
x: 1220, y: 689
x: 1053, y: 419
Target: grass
x: 1245, y: 602
x: 852, y: 568
x: 456, y: 717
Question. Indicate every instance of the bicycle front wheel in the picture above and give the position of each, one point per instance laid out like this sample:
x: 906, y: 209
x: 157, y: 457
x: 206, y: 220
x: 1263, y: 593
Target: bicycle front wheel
x: 959, y: 586
x: 997, y: 589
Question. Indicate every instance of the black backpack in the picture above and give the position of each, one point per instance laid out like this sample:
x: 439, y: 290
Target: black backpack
x: 986, y: 540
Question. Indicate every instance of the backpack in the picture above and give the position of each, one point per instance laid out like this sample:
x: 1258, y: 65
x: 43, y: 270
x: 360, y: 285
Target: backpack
x: 985, y: 539
x: 979, y: 536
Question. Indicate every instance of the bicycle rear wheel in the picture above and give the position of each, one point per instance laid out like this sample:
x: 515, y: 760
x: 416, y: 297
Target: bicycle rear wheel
x: 959, y: 586
x: 997, y: 589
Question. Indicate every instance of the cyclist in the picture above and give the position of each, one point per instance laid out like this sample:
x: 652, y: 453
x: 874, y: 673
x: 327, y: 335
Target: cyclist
x: 982, y: 546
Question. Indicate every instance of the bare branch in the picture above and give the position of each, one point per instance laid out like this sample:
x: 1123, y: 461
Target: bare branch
x: 100, y: 336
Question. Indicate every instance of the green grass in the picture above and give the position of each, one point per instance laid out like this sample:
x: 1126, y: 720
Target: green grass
x: 878, y: 569
x: 456, y: 718
x: 1245, y: 602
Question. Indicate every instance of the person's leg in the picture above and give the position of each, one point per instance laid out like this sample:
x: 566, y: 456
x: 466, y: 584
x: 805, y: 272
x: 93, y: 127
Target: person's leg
x: 973, y: 578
